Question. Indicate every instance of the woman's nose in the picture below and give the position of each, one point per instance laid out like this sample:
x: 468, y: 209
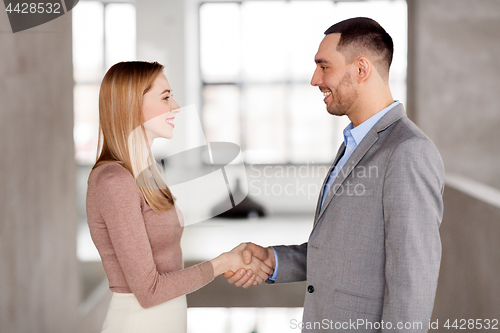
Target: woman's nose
x: 175, y: 106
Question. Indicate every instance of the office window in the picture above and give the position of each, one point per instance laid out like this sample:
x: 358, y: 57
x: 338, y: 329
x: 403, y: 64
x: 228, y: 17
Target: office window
x: 256, y: 62
x: 103, y: 34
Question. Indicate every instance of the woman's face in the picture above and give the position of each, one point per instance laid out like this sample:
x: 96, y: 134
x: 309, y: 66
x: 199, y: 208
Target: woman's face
x: 159, y: 110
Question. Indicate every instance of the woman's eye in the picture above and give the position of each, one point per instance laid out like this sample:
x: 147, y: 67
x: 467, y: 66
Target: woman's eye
x: 166, y: 98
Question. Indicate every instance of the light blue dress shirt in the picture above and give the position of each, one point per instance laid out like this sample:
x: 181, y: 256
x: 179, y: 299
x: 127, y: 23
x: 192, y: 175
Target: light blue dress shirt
x: 352, y: 138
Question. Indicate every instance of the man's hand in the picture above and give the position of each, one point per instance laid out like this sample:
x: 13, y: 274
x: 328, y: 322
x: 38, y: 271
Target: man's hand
x: 244, y: 278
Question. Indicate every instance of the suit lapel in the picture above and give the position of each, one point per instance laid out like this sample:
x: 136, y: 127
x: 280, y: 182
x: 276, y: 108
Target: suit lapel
x: 368, y: 141
x: 357, y: 155
x: 340, y: 153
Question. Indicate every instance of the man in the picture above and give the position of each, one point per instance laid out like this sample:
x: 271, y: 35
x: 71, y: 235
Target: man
x: 373, y: 256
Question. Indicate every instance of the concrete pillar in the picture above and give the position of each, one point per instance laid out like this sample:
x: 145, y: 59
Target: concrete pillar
x: 39, y: 273
x: 453, y: 82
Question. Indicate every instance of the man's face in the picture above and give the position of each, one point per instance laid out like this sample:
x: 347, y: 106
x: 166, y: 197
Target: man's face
x: 334, y: 77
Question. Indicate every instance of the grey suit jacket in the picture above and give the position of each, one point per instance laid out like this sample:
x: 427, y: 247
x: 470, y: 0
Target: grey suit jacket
x: 374, y: 252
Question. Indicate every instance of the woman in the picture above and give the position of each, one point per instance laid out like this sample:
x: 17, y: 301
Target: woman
x: 131, y: 212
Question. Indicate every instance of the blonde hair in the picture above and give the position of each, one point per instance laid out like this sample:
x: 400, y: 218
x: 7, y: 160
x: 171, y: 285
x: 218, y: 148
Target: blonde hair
x: 122, y: 136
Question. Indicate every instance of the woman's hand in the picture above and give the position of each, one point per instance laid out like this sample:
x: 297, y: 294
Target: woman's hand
x: 233, y: 261
x: 244, y: 278
x: 261, y: 270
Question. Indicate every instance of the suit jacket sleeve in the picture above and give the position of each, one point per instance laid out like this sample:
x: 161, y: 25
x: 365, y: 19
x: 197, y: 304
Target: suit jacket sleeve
x: 413, y: 207
x: 292, y: 263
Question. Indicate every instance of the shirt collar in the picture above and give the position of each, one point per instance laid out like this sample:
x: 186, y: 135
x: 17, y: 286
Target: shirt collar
x: 360, y: 131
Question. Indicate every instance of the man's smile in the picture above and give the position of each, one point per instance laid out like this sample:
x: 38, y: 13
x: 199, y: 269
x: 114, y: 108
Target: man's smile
x: 327, y: 95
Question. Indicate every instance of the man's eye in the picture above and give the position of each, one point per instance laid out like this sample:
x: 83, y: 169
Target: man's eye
x: 323, y: 67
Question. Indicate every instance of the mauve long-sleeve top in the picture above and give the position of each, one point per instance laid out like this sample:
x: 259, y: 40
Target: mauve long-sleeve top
x: 140, y: 248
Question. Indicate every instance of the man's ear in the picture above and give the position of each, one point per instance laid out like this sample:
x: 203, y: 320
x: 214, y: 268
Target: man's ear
x: 363, y: 68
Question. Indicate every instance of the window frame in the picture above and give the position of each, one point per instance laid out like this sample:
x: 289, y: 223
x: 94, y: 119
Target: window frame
x: 240, y: 84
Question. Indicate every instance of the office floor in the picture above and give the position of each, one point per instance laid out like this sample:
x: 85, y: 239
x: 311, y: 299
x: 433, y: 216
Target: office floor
x: 243, y: 320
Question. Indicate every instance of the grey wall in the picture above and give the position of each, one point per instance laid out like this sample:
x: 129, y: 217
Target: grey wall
x: 453, y: 95
x: 468, y: 286
x: 39, y: 273
x: 454, y: 85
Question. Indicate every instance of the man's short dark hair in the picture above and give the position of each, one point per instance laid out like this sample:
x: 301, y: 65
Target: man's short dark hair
x: 362, y: 34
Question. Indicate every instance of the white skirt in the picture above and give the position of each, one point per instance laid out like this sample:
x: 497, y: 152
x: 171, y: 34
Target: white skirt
x: 126, y: 315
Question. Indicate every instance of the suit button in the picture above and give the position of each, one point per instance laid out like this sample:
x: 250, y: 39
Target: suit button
x: 310, y: 289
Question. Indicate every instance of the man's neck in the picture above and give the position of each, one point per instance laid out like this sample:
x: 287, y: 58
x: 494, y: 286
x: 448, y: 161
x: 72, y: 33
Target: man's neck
x: 367, y: 109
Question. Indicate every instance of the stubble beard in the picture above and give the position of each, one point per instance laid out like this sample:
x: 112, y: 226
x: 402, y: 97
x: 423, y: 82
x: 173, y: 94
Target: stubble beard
x: 343, y: 97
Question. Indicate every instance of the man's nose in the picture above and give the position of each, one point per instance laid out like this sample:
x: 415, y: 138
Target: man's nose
x: 316, y: 79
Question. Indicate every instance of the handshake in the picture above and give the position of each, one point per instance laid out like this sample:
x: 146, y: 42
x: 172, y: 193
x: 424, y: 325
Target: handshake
x: 246, y: 265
